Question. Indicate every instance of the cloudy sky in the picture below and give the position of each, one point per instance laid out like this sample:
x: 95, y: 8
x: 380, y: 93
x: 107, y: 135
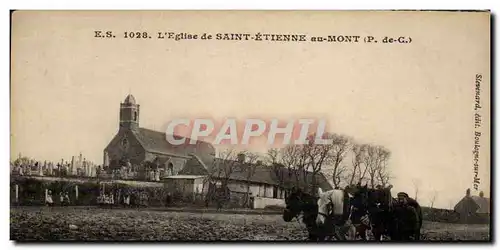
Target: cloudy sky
x: 415, y: 99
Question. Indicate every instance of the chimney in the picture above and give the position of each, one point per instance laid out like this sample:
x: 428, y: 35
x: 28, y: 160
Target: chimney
x: 481, y: 194
x: 241, y: 157
x: 467, y: 192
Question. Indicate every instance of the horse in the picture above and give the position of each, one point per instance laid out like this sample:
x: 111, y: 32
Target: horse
x: 299, y: 202
x: 335, y: 212
x: 387, y: 215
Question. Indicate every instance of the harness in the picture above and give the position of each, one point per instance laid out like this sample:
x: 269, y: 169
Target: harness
x: 329, y: 203
x: 351, y: 208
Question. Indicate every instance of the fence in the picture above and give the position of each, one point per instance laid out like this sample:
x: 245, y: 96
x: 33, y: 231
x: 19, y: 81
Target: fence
x: 30, y: 191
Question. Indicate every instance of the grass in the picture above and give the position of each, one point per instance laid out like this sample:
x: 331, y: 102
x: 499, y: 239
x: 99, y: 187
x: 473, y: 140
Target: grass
x: 94, y: 224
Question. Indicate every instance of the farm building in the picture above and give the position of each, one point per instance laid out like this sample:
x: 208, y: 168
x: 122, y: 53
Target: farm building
x: 472, y: 208
x: 265, y: 185
x: 185, y: 184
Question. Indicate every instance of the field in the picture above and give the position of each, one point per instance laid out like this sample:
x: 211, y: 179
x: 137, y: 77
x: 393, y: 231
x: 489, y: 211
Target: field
x: 90, y: 224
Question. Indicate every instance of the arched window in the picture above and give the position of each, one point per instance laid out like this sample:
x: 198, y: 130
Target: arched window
x: 135, y: 116
x: 170, y: 169
x: 125, y: 144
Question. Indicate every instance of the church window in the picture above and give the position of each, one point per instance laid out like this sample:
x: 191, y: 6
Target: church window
x: 125, y: 143
x: 135, y: 116
x: 170, y: 169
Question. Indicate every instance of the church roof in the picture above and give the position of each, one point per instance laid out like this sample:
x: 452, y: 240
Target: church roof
x: 156, y: 142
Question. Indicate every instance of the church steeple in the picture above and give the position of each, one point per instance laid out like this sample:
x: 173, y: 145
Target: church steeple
x: 129, y: 113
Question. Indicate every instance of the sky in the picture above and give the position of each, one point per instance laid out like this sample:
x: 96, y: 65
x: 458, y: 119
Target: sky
x: 414, y: 99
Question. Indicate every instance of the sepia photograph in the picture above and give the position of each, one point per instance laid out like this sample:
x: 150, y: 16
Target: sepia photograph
x: 250, y: 126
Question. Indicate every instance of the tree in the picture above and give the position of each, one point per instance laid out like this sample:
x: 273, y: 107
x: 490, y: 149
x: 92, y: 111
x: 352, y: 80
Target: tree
x: 219, y: 171
x: 371, y: 165
x: 273, y: 158
x: 382, y: 172
x: 357, y: 159
x: 248, y: 167
x: 295, y: 159
x: 340, y: 147
x: 375, y: 160
x: 416, y: 185
x: 225, y: 165
x: 451, y: 205
x: 433, y: 198
x: 317, y: 156
x: 339, y: 175
x: 366, y: 162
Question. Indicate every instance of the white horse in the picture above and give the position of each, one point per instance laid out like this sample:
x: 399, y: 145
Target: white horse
x: 331, y: 204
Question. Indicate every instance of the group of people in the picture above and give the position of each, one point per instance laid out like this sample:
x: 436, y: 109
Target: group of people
x: 109, y: 199
x: 63, y: 199
x: 106, y: 199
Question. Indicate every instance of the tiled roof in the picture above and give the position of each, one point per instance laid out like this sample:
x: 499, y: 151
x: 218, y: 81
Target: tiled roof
x: 483, y: 203
x: 156, y: 142
x: 474, y: 204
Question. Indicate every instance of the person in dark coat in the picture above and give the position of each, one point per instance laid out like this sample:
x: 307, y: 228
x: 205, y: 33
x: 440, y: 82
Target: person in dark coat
x: 409, y: 215
x: 169, y: 199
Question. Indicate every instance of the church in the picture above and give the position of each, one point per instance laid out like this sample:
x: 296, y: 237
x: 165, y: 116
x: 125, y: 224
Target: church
x: 135, y: 147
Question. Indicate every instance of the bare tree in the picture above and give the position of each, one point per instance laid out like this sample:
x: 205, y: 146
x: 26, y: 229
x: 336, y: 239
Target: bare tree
x: 416, y: 185
x: 376, y: 160
x: 248, y: 167
x: 226, y: 164
x: 295, y: 159
x: 339, y: 149
x: 274, y: 159
x: 320, y: 155
x: 219, y: 171
x: 339, y: 176
x: 357, y: 160
x: 371, y: 164
x: 382, y: 172
x: 272, y: 156
x: 366, y: 162
x: 433, y: 198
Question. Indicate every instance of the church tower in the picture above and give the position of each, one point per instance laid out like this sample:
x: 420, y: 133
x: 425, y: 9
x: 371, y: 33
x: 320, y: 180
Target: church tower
x: 129, y: 113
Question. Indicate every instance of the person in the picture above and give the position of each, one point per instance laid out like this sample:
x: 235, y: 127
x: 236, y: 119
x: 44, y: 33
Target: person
x: 405, y: 200
x: 61, y: 198
x: 169, y: 199
x: 126, y: 200
x: 111, y: 200
x: 66, y: 198
x: 105, y: 199
x: 48, y: 200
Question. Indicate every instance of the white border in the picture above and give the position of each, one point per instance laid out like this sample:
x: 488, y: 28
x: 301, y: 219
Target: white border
x: 201, y: 4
